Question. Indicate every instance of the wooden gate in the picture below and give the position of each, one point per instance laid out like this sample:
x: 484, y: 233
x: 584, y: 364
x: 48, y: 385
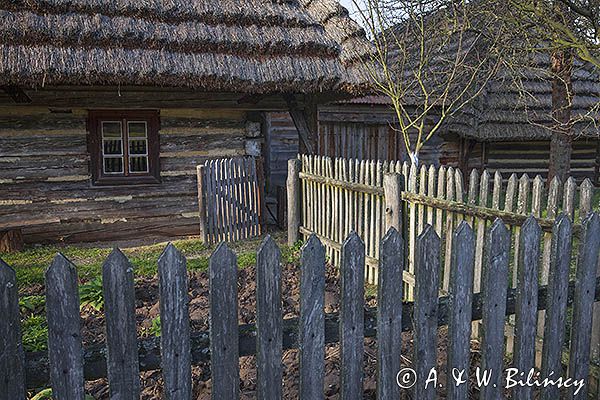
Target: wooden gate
x: 229, y: 199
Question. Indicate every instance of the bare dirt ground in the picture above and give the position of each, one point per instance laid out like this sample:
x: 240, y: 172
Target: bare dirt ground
x: 148, y: 308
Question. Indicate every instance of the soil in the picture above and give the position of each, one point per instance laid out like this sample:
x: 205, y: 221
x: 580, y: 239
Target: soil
x: 147, y: 308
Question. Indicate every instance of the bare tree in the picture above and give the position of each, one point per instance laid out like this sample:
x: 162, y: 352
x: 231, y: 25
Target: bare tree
x: 566, y: 30
x: 432, y: 58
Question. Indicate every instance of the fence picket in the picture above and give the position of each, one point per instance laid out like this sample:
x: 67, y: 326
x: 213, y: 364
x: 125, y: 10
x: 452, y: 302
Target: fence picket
x: 224, y: 346
x: 585, y: 198
x: 311, y: 337
x: 554, y: 329
x: 472, y: 196
x: 536, y: 196
x: 497, y: 191
x: 425, y: 309
x: 431, y: 192
x: 12, y: 361
x: 461, y: 296
x: 269, y: 318
x: 511, y: 190
x: 447, y: 236
x: 569, y: 197
x: 441, y: 194
x: 351, y: 328
x: 494, y: 308
x: 174, y: 324
x: 121, y: 337
x: 389, y: 314
x: 526, y: 304
x: 585, y: 290
x: 65, y: 351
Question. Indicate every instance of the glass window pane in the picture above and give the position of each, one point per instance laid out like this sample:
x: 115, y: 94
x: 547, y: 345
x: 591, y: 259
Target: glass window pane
x: 111, y: 129
x: 137, y: 129
x: 112, y: 147
x: 113, y: 165
x: 138, y: 164
x: 137, y: 146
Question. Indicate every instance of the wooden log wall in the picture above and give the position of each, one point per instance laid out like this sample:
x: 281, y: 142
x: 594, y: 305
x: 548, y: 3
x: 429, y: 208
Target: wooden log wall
x: 532, y: 157
x: 45, y: 186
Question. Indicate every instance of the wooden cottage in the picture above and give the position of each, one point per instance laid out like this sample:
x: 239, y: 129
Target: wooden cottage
x: 106, y: 107
x: 502, y: 130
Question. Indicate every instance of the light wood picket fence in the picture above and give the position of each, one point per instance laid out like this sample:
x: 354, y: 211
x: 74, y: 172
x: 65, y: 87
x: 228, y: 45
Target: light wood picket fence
x: 335, y: 196
x: 122, y: 357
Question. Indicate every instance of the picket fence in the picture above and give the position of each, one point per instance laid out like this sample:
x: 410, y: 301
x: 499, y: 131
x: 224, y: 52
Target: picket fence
x: 230, y: 199
x: 123, y: 355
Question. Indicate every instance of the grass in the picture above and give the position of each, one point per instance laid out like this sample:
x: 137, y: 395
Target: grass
x: 31, y: 263
x: 30, y: 266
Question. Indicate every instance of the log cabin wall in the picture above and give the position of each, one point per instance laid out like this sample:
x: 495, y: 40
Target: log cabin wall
x: 532, y: 157
x: 45, y: 185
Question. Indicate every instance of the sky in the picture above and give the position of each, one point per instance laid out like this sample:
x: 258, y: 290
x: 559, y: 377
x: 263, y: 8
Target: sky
x: 349, y: 4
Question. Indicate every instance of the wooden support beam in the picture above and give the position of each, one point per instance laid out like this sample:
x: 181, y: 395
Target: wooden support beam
x: 17, y: 94
x: 307, y: 124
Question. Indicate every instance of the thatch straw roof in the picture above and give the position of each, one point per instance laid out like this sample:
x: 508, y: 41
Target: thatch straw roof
x: 248, y: 46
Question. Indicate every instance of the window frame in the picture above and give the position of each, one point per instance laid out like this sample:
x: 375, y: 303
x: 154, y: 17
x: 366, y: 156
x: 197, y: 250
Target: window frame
x: 151, y: 118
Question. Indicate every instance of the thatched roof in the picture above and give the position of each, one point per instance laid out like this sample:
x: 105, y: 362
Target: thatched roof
x: 249, y: 46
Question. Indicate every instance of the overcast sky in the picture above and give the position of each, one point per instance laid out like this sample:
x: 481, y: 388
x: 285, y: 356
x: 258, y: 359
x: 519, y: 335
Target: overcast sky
x: 349, y: 4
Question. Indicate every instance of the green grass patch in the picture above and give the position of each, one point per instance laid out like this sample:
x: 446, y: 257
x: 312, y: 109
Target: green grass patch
x: 31, y: 263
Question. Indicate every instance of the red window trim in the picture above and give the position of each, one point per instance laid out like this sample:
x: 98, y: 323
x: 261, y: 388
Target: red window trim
x: 152, y: 119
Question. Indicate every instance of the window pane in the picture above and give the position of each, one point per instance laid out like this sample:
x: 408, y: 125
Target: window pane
x: 113, y: 165
x: 137, y: 129
x: 111, y: 129
x: 112, y: 147
x: 137, y: 146
x: 138, y: 164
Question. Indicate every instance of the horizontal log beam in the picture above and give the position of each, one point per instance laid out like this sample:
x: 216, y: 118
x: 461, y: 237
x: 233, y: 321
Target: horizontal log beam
x: 37, y: 368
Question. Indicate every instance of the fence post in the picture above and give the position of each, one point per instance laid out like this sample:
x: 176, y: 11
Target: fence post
x: 351, y: 328
x: 389, y: 314
x: 556, y: 307
x: 268, y: 321
x: 583, y: 305
x: 121, y: 339
x: 12, y: 362
x: 311, y: 331
x: 175, y: 325
x: 224, y: 333
x: 427, y: 276
x: 393, y: 184
x: 201, y: 202
x: 461, y: 306
x: 526, y: 302
x: 293, y: 200
x: 494, y: 307
x: 65, y: 350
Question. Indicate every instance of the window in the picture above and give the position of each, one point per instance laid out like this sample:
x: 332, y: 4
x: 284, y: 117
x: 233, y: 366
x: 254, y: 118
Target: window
x: 124, y: 147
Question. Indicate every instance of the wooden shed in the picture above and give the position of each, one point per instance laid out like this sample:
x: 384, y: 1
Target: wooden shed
x: 107, y: 107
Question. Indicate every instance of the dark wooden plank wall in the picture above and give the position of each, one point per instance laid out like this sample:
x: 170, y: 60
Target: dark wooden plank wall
x: 45, y: 182
x: 532, y: 157
x: 282, y: 139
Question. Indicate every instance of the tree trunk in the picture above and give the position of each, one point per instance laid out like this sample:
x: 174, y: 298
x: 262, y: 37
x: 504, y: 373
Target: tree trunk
x: 562, y: 94
x: 11, y: 241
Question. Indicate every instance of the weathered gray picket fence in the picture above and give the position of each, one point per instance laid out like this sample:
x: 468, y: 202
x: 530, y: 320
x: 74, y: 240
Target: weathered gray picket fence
x: 123, y: 356
x: 230, y: 199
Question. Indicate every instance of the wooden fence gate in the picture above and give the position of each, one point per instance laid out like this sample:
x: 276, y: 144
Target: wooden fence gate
x: 67, y: 365
x: 230, y: 199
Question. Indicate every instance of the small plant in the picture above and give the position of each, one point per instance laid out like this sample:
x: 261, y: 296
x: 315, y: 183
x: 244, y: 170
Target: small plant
x: 35, y: 333
x: 90, y: 294
x: 154, y: 329
x: 291, y: 254
x: 46, y: 394
x: 32, y: 304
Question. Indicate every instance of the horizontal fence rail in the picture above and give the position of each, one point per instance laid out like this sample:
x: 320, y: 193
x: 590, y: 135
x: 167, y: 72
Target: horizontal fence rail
x: 178, y: 348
